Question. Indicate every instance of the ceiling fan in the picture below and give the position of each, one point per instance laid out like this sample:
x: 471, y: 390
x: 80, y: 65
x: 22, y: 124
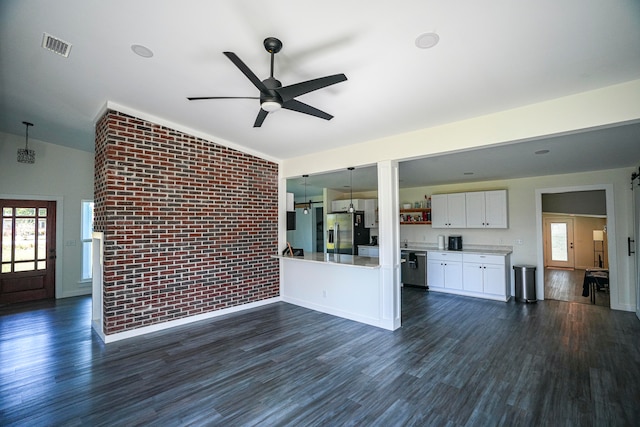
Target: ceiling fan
x: 273, y: 95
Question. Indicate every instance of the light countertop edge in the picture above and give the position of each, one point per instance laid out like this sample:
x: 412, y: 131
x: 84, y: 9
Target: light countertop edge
x: 339, y: 259
x: 500, y: 250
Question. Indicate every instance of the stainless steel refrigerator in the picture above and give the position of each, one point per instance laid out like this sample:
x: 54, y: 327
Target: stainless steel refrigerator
x: 345, y: 231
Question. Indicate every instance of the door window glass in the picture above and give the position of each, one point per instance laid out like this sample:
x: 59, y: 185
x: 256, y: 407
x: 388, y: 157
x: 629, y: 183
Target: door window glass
x: 559, y: 249
x: 24, y: 239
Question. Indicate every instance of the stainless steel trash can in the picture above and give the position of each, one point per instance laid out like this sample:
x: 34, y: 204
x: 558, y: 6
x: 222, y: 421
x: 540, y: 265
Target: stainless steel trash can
x: 525, y: 280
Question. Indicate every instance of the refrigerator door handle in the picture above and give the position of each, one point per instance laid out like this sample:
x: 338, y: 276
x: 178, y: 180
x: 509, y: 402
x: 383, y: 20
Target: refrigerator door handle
x: 329, y: 236
x: 336, y: 231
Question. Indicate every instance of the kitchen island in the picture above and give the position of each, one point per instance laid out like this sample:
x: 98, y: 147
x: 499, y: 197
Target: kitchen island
x: 347, y: 286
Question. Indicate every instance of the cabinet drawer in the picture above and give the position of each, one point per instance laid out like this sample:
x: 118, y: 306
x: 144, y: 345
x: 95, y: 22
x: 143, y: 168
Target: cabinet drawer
x: 444, y: 256
x: 483, y: 259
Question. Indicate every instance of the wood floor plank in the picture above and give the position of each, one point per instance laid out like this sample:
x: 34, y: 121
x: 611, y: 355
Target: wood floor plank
x: 456, y: 361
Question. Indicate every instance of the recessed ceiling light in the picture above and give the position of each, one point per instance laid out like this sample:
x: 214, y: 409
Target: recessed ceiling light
x: 427, y: 40
x: 542, y: 152
x: 140, y: 50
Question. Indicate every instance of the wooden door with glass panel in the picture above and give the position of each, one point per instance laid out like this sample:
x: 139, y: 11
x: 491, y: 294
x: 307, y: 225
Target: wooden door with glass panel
x: 28, y: 250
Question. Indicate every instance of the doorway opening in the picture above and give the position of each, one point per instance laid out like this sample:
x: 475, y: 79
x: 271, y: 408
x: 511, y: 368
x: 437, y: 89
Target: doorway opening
x: 574, y: 245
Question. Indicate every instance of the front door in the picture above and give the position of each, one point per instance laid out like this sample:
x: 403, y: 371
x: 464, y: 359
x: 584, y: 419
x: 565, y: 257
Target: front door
x: 559, y: 243
x: 27, y: 250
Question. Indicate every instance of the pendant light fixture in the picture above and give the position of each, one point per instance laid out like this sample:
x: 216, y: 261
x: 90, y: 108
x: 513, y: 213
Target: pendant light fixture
x: 351, y: 209
x: 306, y: 209
x: 24, y: 154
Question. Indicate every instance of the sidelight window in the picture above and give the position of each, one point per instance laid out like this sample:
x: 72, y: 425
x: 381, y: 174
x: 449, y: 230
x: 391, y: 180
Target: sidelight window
x: 86, y: 236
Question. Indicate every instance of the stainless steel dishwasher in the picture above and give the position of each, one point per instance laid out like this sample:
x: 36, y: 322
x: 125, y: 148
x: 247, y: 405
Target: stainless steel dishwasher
x: 414, y: 268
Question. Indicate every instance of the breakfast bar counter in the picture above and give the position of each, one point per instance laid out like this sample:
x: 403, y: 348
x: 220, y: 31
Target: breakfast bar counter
x: 341, y: 259
x: 347, y: 286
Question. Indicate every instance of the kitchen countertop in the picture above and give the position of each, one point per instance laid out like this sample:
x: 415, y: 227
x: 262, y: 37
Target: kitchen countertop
x: 341, y: 259
x: 473, y: 249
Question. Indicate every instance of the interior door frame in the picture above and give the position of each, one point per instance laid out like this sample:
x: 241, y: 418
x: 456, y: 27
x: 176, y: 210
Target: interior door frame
x: 611, y: 239
x: 59, y: 235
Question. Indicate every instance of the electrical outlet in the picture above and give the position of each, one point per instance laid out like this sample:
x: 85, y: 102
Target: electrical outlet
x: 324, y: 294
x: 519, y: 242
x: 70, y: 243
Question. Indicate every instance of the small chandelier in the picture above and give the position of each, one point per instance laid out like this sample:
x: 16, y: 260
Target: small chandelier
x: 351, y: 208
x: 24, y: 154
x: 306, y: 209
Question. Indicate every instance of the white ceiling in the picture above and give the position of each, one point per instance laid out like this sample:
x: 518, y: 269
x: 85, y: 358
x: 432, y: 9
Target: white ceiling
x: 492, y: 56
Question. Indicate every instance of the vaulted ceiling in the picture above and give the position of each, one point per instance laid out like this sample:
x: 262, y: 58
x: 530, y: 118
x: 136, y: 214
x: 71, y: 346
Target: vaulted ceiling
x: 491, y: 56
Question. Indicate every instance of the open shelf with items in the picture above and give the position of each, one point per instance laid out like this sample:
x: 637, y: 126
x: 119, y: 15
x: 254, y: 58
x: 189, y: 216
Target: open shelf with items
x: 415, y: 216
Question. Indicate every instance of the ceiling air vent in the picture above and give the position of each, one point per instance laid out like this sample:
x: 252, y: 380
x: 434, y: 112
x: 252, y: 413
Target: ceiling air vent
x: 56, y: 45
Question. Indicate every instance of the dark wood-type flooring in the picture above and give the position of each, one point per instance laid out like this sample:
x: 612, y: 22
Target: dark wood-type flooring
x: 566, y: 285
x: 456, y: 361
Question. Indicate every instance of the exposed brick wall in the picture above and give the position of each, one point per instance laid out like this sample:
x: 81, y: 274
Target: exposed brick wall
x: 189, y: 225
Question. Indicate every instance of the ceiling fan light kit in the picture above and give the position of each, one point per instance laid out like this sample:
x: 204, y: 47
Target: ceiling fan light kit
x: 273, y: 95
x: 270, y: 106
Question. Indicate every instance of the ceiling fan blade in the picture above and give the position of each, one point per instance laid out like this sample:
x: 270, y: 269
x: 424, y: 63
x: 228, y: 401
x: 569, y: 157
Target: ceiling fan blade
x: 301, y: 107
x: 261, y: 116
x: 246, y: 71
x: 198, y: 98
x: 291, y: 91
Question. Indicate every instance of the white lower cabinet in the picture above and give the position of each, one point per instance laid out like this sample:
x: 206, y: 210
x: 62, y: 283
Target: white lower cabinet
x: 478, y: 275
x: 444, y: 270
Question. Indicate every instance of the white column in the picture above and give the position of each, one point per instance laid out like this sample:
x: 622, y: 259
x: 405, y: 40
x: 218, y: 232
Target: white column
x: 389, y: 232
x: 97, y: 285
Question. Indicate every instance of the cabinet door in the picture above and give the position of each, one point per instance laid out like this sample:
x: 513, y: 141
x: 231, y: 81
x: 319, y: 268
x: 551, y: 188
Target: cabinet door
x: 475, y: 209
x: 435, y: 274
x: 496, y: 209
x: 453, y: 275
x: 340, y: 205
x: 439, y: 215
x: 472, y: 273
x: 370, y: 213
x: 456, y: 210
x: 494, y: 279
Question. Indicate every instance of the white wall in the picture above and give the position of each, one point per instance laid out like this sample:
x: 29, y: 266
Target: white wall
x: 601, y: 107
x: 522, y: 220
x: 62, y: 174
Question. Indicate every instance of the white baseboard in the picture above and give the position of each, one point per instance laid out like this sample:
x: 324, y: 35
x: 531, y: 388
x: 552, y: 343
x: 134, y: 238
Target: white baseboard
x: 178, y: 322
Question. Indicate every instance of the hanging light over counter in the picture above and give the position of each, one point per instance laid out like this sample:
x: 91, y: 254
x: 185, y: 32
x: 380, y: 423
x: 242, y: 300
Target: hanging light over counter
x: 351, y: 209
x: 306, y: 208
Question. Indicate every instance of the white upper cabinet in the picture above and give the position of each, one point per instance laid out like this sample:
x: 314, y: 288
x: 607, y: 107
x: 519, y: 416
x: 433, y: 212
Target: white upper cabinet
x: 343, y: 205
x: 448, y: 210
x: 486, y: 209
x: 371, y: 213
x: 290, y: 202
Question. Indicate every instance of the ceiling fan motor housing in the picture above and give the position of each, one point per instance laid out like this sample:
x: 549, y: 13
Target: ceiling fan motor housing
x: 271, y: 95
